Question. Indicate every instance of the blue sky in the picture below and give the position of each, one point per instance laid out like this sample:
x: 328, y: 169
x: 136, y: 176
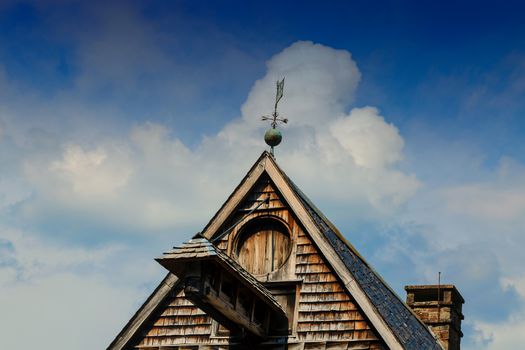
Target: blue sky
x: 125, y: 125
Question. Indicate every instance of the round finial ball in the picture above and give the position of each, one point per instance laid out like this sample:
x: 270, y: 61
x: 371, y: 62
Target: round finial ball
x: 273, y: 137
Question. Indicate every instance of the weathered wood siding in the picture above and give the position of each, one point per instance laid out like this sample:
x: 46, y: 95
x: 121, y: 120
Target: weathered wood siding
x: 326, y: 312
x: 325, y: 315
x: 179, y: 322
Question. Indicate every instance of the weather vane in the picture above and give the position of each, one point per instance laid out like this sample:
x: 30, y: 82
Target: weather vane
x: 273, y: 137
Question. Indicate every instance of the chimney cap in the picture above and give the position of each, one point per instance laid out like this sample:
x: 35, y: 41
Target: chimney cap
x: 434, y: 287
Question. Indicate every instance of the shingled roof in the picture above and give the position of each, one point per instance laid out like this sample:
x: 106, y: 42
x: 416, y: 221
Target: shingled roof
x: 411, y: 332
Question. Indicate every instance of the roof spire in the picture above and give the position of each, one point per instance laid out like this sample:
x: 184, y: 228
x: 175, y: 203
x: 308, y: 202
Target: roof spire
x: 273, y: 137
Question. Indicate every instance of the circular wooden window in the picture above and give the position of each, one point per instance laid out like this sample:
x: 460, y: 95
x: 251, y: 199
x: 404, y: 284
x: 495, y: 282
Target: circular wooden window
x: 263, y: 246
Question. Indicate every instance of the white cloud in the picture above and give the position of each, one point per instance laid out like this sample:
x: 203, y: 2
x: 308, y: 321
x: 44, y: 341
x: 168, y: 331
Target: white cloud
x: 371, y: 142
x: 472, y: 231
x: 91, y: 173
x: 149, y: 180
x: 320, y: 83
x: 52, y: 289
x: 33, y: 259
x: 499, y: 335
x: 487, y: 202
x: 472, y: 210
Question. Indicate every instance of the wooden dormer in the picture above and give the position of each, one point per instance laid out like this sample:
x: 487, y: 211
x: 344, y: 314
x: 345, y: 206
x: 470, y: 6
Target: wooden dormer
x: 220, y: 286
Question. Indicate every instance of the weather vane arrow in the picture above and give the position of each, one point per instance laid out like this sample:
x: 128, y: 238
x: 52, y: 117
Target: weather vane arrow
x: 273, y: 137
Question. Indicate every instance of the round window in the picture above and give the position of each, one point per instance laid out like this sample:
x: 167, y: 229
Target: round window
x: 263, y: 246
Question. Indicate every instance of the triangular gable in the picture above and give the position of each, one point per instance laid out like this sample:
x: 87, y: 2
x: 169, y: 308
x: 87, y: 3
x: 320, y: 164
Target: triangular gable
x: 325, y: 316
x: 325, y: 310
x: 395, y: 322
x: 388, y: 315
x: 267, y: 165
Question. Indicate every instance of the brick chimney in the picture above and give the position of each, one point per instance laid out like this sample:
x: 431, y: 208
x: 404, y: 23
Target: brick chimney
x: 443, y: 315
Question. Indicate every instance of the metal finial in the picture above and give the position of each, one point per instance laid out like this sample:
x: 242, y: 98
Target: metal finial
x: 273, y: 137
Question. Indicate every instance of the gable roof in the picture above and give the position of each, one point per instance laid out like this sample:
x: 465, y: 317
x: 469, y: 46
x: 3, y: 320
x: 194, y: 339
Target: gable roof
x: 397, y: 325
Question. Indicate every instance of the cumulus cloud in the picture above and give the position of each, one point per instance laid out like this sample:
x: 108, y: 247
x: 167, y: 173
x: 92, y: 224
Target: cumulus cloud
x: 90, y: 173
x: 150, y: 180
x: 371, y: 142
x: 320, y: 83
x: 353, y: 154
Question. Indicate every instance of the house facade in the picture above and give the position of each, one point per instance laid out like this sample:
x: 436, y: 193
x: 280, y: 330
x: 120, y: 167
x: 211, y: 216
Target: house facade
x: 270, y: 271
